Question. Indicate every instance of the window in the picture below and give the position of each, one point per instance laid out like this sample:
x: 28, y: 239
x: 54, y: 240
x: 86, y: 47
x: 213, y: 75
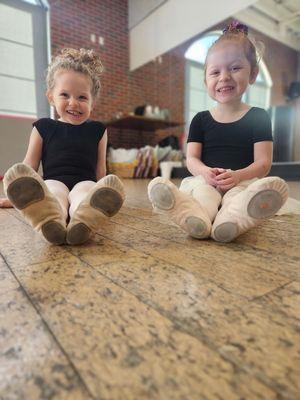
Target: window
x: 196, y: 96
x: 24, y: 57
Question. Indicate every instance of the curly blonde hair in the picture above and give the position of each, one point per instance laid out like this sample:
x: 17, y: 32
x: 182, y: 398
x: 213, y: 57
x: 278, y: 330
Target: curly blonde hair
x: 84, y: 61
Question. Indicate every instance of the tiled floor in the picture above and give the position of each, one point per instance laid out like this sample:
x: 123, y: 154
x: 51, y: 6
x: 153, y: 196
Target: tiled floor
x: 143, y: 312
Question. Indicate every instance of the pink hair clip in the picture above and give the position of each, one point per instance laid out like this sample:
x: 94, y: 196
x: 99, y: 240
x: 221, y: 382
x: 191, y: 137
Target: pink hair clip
x: 236, y: 26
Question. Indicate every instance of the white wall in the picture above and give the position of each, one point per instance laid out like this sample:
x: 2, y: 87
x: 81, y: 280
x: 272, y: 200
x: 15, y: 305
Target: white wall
x: 140, y: 9
x: 174, y: 22
x: 14, y: 136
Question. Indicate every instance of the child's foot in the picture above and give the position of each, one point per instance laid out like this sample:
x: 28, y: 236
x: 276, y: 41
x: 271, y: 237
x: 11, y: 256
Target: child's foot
x: 259, y: 201
x: 30, y: 196
x: 106, y: 197
x: 183, y: 209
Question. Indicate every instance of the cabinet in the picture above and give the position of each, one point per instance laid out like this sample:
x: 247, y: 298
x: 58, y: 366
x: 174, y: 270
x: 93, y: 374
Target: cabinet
x: 145, y: 165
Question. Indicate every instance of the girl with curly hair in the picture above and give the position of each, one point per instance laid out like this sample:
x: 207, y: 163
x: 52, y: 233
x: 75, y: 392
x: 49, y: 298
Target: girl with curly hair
x: 75, y: 195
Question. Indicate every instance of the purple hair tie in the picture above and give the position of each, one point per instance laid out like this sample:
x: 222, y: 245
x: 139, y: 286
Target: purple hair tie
x: 236, y: 26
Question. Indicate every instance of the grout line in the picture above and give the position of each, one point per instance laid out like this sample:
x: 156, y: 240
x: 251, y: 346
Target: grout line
x: 198, y: 335
x: 49, y: 330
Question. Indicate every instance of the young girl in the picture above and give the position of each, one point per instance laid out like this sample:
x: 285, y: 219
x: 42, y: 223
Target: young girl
x: 73, y: 154
x: 229, y: 152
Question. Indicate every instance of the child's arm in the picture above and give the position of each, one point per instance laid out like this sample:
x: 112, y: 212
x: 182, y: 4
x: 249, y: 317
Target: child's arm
x: 101, y: 161
x: 32, y: 158
x: 197, y: 167
x: 263, y: 152
x: 34, y: 151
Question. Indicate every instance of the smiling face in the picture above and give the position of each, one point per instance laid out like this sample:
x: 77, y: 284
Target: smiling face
x: 71, y: 96
x: 228, y: 72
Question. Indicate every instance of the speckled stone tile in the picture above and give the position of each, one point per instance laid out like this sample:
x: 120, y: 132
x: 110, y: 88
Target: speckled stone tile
x: 210, y: 313
x: 20, y: 244
x: 233, y: 271
x: 147, y: 221
x: 143, y: 312
x: 32, y: 366
x: 277, y: 239
x: 147, y: 215
x: 124, y: 349
x: 267, y: 341
x: 279, y: 235
x: 286, y: 299
x: 175, y: 292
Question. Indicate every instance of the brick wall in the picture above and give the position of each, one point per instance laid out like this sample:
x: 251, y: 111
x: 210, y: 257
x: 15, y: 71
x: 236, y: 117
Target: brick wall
x: 162, y: 84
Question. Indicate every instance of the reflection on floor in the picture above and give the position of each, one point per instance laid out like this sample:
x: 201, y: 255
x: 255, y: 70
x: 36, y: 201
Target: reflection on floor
x: 144, y: 312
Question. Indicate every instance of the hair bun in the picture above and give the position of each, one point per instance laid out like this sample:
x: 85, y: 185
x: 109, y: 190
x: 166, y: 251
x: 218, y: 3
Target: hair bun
x: 236, y: 27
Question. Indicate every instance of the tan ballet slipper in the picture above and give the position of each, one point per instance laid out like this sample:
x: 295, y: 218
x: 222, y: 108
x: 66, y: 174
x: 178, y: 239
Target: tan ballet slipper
x: 259, y: 201
x: 183, y: 209
x: 104, y: 199
x: 30, y: 196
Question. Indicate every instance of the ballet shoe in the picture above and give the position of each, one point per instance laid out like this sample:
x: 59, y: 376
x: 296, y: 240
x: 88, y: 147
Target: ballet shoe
x: 104, y: 199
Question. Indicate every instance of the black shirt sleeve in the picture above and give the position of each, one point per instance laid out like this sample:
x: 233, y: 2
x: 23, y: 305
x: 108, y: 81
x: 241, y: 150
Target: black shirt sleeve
x: 45, y: 127
x: 196, y: 131
x: 98, y: 127
x: 262, y: 129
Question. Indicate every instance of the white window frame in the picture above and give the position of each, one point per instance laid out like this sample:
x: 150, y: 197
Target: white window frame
x: 41, y: 56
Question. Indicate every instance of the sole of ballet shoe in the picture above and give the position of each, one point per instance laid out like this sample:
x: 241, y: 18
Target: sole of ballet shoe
x: 196, y: 227
x: 78, y: 234
x: 264, y: 204
x: 226, y: 232
x: 54, y: 232
x: 162, y: 197
x: 106, y: 200
x: 25, y: 191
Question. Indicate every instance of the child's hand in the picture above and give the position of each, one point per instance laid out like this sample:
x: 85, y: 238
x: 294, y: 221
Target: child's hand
x: 5, y: 203
x: 210, y: 174
x: 227, y: 180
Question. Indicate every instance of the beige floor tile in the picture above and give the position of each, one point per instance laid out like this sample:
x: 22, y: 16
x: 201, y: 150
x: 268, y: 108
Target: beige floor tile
x: 143, y: 312
x: 267, y: 341
x: 125, y: 349
x: 254, y: 337
x: 32, y: 366
x: 20, y: 244
x: 274, y: 236
x: 175, y: 292
x: 235, y: 271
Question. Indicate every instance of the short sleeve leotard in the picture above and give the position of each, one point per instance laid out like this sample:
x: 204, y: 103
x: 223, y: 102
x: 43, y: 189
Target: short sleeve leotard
x: 230, y: 145
x: 69, y: 152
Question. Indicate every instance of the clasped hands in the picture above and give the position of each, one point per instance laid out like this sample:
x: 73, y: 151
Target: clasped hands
x: 222, y: 179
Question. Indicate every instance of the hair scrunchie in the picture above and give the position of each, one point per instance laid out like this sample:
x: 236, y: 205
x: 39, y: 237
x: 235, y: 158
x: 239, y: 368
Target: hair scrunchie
x: 236, y: 27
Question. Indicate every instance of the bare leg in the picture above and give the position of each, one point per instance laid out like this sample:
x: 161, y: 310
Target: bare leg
x: 61, y: 193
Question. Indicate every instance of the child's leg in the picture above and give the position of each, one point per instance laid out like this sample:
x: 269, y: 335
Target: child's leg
x: 30, y: 195
x: 244, y: 209
x: 89, y: 202
x: 61, y: 193
x: 205, y: 194
x: 78, y: 193
x: 181, y: 206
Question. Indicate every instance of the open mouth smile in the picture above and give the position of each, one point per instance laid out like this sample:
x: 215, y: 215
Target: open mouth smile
x: 225, y: 89
x: 75, y: 114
